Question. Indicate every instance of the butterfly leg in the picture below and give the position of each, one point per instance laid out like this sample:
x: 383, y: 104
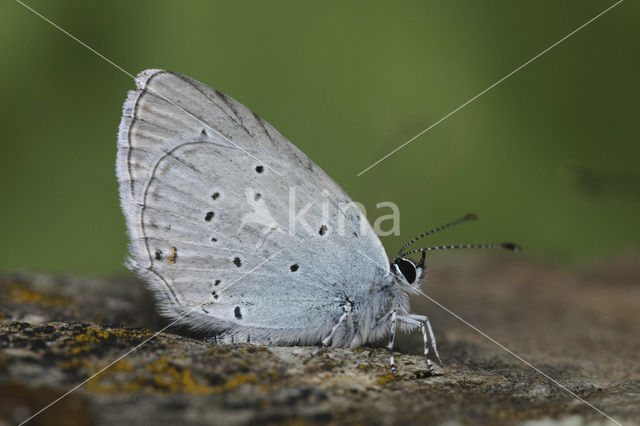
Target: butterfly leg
x: 392, y: 337
x: 345, y: 314
x: 227, y: 338
x: 422, y: 327
x: 346, y: 310
x: 425, y: 319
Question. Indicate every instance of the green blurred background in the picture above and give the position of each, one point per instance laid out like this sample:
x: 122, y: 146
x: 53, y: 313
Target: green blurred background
x: 548, y: 158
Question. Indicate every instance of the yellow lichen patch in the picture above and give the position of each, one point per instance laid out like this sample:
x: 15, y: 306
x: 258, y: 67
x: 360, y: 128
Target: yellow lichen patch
x: 238, y: 380
x: 89, y: 336
x: 93, y: 334
x: 158, y: 376
x: 253, y: 348
x: 173, y: 380
x: 269, y: 375
x: 364, y: 367
x: 263, y: 404
x: 79, y: 349
x: 21, y: 294
x: 122, y: 365
x: 387, y: 378
x: 97, y: 385
x: 75, y: 363
x: 296, y: 421
x: 245, y: 348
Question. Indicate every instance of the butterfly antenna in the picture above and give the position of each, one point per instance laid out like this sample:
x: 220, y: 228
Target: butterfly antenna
x: 468, y: 218
x: 506, y: 246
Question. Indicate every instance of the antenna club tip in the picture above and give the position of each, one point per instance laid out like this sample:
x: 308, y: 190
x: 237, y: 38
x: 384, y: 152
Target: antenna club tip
x: 471, y: 216
x: 512, y: 246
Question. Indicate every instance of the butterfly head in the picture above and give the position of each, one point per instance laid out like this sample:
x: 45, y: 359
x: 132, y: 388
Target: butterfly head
x: 404, y: 268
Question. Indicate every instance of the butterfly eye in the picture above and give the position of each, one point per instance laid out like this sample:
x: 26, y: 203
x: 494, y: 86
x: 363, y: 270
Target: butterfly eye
x: 407, y: 269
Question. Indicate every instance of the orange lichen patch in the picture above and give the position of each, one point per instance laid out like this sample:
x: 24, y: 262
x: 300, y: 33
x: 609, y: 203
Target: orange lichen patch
x: 21, y: 294
x: 173, y: 255
x: 387, y: 378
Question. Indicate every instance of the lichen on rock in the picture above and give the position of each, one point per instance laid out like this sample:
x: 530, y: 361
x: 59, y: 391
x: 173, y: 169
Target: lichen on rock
x: 580, y: 327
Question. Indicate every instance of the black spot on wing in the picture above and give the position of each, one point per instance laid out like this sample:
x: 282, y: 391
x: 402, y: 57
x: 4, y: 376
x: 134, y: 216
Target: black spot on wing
x: 237, y: 312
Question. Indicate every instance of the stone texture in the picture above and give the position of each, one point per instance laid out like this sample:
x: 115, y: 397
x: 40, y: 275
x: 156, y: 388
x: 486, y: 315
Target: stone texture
x: 581, y: 326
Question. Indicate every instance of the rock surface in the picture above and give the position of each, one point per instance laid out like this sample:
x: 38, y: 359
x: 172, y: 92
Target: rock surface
x: 579, y: 326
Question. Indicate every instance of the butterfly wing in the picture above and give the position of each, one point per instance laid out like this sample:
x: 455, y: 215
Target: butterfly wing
x: 232, y: 226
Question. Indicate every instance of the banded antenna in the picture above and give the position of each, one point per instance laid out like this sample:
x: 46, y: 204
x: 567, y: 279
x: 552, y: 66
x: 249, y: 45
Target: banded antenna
x: 506, y: 246
x: 468, y: 218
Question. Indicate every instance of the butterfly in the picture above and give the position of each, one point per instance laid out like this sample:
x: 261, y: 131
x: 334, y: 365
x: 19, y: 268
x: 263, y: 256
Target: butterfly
x: 239, y: 234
